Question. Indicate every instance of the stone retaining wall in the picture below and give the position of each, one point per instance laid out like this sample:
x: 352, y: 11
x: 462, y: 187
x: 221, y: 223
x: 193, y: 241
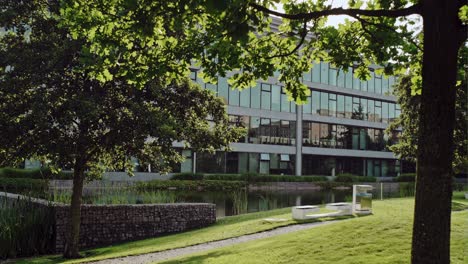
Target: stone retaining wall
x: 109, y: 224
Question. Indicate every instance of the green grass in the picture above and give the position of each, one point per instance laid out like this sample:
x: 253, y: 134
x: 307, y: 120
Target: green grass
x: 227, y: 227
x: 384, y: 237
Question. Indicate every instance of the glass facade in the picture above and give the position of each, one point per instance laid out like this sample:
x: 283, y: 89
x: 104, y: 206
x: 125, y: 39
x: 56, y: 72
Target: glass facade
x: 267, y: 130
x: 325, y: 165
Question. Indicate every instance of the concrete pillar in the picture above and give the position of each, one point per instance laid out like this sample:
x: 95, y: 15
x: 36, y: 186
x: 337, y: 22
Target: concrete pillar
x: 194, y: 162
x: 298, y: 140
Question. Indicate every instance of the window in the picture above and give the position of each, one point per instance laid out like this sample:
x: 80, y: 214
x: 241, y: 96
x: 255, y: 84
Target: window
x: 285, y: 104
x: 264, y: 156
x: 341, y: 78
x: 223, y: 88
x: 324, y: 72
x: 332, y: 104
x: 284, y: 157
x: 348, y: 106
x: 193, y: 75
x: 316, y: 73
x: 349, y: 78
x: 384, y: 112
x: 371, y: 83
x: 307, y: 76
x: 315, y: 102
x: 378, y: 84
x: 266, y: 96
x: 364, y: 108
x: 323, y: 104
x: 340, y: 106
x: 276, y: 98
x: 378, y: 111
x: 307, y: 107
x: 332, y: 76
x: 233, y: 97
x: 255, y: 96
x: 245, y: 97
x: 370, y: 110
x: 385, y: 88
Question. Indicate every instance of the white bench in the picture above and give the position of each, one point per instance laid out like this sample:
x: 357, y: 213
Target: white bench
x: 301, y: 212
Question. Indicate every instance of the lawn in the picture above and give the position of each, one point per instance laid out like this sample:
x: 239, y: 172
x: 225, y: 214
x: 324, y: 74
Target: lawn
x: 228, y: 227
x: 384, y: 237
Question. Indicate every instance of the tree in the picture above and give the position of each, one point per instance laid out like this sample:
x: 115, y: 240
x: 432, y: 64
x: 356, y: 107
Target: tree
x: 410, y: 103
x: 223, y: 36
x: 52, y: 111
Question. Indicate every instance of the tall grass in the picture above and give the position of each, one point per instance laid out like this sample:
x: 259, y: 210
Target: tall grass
x: 119, y: 196
x: 25, y: 228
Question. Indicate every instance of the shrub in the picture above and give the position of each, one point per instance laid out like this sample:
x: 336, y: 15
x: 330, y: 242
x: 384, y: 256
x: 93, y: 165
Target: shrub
x: 253, y: 177
x: 40, y: 173
x: 347, y: 177
x: 26, y: 229
x: 406, y: 177
x: 189, y: 185
x: 187, y: 176
x: 23, y: 185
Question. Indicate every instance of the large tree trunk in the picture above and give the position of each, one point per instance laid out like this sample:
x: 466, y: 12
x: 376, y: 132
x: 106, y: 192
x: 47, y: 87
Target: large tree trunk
x: 72, y: 246
x: 431, y: 229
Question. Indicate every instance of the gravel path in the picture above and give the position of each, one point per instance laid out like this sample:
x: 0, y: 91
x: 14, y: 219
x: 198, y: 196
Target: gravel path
x: 173, y: 253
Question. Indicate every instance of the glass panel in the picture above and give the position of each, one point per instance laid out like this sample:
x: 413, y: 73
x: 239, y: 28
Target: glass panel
x: 332, y: 76
x: 316, y: 73
x: 363, y: 84
x: 370, y: 110
x: 340, y: 107
x: 266, y: 96
x: 378, y: 111
x: 356, y: 82
x: 364, y: 108
x: 285, y: 104
x: 384, y: 112
x: 332, y: 105
x: 378, y: 84
x: 371, y: 83
x: 234, y: 97
x: 362, y: 139
x: 349, y: 78
x: 254, y: 131
x: 341, y: 78
x: 243, y: 162
x: 186, y: 165
x: 223, y: 89
x: 211, y: 87
x: 307, y: 76
x: 391, y: 83
x: 275, y: 132
x: 264, y: 167
x: 323, y: 104
x: 307, y: 107
x: 391, y: 112
x: 265, y: 130
x: 264, y: 156
x: 232, y: 162
x: 253, y: 162
x: 293, y: 107
x: 384, y: 85
x: 385, y: 168
x: 355, y: 142
x: 370, y: 168
x: 324, y: 72
x: 245, y: 97
x: 315, y: 102
x: 276, y: 98
x: 255, y: 96
x: 349, y: 106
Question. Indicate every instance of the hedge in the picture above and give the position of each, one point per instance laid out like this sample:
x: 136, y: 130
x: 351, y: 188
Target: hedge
x: 189, y: 185
x: 187, y: 176
x: 346, y: 177
x: 248, y: 177
x: 406, y: 177
x: 40, y: 173
x: 22, y: 185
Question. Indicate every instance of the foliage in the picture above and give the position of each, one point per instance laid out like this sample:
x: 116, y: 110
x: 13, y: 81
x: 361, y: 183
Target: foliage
x: 406, y: 177
x: 187, y: 176
x: 348, y: 177
x: 41, y: 173
x: 24, y: 185
x: 54, y: 113
x: 410, y: 103
x: 110, y: 196
x: 25, y: 229
x: 264, y: 178
x: 189, y: 185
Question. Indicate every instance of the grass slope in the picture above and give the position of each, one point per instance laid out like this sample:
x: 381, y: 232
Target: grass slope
x: 227, y: 227
x: 384, y: 237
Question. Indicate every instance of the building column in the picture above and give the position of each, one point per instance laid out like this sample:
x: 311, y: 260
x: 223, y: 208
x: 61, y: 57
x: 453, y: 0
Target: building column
x: 194, y: 162
x: 298, y: 140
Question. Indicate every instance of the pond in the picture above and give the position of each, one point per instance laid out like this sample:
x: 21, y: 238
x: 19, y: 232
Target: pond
x: 228, y: 203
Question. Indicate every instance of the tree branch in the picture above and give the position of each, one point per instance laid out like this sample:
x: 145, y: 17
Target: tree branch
x: 414, y: 9
x: 303, y: 36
